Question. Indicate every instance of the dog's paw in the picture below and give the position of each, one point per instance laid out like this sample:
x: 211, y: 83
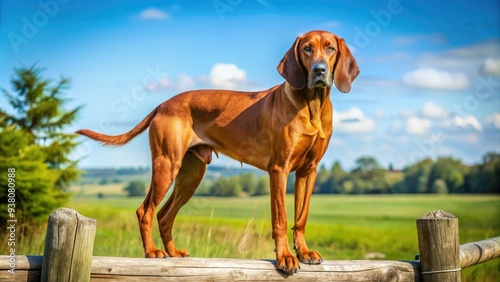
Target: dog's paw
x: 309, y: 257
x: 156, y: 254
x: 287, y: 263
x: 179, y: 253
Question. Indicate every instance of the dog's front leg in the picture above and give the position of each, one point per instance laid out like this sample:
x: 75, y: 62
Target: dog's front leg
x: 285, y: 260
x: 304, y: 185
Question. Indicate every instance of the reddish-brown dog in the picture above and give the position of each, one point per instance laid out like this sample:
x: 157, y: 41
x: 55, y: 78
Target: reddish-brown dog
x: 283, y: 129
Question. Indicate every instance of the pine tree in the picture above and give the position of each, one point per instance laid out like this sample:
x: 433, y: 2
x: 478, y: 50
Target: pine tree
x: 38, y: 109
x: 32, y: 142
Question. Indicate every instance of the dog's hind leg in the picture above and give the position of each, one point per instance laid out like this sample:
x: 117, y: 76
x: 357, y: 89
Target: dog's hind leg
x: 167, y: 161
x: 163, y: 175
x: 189, y: 177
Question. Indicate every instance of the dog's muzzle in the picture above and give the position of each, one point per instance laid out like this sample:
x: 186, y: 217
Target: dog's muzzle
x: 319, y: 76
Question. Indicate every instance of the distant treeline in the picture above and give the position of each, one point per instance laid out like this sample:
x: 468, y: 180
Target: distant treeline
x: 445, y: 175
x: 112, y: 172
x: 442, y: 176
x: 244, y: 184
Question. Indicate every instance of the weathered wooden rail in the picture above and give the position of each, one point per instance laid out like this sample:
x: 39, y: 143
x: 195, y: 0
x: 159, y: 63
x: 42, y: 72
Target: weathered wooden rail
x: 70, y: 236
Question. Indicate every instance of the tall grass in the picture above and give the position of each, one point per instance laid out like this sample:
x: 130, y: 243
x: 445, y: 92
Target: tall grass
x: 339, y: 227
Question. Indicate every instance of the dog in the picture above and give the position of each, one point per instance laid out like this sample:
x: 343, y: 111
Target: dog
x: 283, y: 129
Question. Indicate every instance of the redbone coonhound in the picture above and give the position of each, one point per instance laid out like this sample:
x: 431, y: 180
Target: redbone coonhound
x: 283, y: 129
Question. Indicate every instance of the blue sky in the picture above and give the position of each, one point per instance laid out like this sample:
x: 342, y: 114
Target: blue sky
x: 429, y: 83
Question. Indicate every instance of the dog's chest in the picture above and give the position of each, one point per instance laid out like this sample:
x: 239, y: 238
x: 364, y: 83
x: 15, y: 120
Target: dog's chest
x: 311, y: 142
x: 309, y: 149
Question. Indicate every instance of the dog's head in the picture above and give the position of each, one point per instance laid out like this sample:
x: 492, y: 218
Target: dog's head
x: 319, y: 59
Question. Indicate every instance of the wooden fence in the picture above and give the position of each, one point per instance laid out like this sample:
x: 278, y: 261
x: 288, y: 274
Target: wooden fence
x: 70, y: 237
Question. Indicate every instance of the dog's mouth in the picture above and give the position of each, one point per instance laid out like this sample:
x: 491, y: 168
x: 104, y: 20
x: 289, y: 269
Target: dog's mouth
x: 319, y: 82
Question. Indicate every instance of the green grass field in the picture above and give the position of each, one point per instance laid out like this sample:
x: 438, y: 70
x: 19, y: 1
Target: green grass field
x: 340, y: 227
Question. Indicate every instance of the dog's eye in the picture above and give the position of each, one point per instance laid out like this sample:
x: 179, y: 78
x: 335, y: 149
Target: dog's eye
x: 308, y: 49
x: 330, y: 49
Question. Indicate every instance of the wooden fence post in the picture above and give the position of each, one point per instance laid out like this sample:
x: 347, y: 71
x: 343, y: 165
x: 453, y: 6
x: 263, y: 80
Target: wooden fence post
x: 68, y: 247
x: 439, y: 247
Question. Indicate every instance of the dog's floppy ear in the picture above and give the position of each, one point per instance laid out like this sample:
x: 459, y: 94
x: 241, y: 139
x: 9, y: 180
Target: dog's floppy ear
x: 290, y: 69
x: 346, y: 69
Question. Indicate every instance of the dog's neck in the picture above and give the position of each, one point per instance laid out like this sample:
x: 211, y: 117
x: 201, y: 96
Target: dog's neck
x: 316, y: 98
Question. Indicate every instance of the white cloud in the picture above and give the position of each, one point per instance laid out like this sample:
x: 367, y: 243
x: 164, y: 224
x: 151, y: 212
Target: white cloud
x: 407, y: 40
x: 470, y: 138
x: 462, y: 122
x: 329, y: 24
x: 367, y: 138
x: 477, y: 51
x: 467, y: 59
x: 397, y: 56
x: 406, y: 113
x: 493, y: 120
x: 491, y: 66
x: 353, y: 121
x: 434, y: 38
x: 417, y: 126
x: 164, y: 83
x: 336, y: 141
x: 379, y: 113
x: 396, y: 127
x: 352, y: 114
x: 185, y: 82
x: 378, y: 82
x: 464, y: 138
x: 431, y: 110
x: 227, y: 76
x: 153, y: 14
x: 221, y: 76
x: 435, y: 79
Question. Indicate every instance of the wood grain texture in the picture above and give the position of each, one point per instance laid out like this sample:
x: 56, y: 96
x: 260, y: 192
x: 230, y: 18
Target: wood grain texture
x: 439, y: 247
x: 28, y: 268
x: 203, y: 269
x: 479, y: 252
x: 241, y: 270
x: 68, y: 247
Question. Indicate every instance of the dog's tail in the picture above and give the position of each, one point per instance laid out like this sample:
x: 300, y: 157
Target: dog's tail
x: 121, y: 139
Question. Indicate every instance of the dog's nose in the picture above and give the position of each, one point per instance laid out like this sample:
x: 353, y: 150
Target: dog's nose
x: 319, y: 68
